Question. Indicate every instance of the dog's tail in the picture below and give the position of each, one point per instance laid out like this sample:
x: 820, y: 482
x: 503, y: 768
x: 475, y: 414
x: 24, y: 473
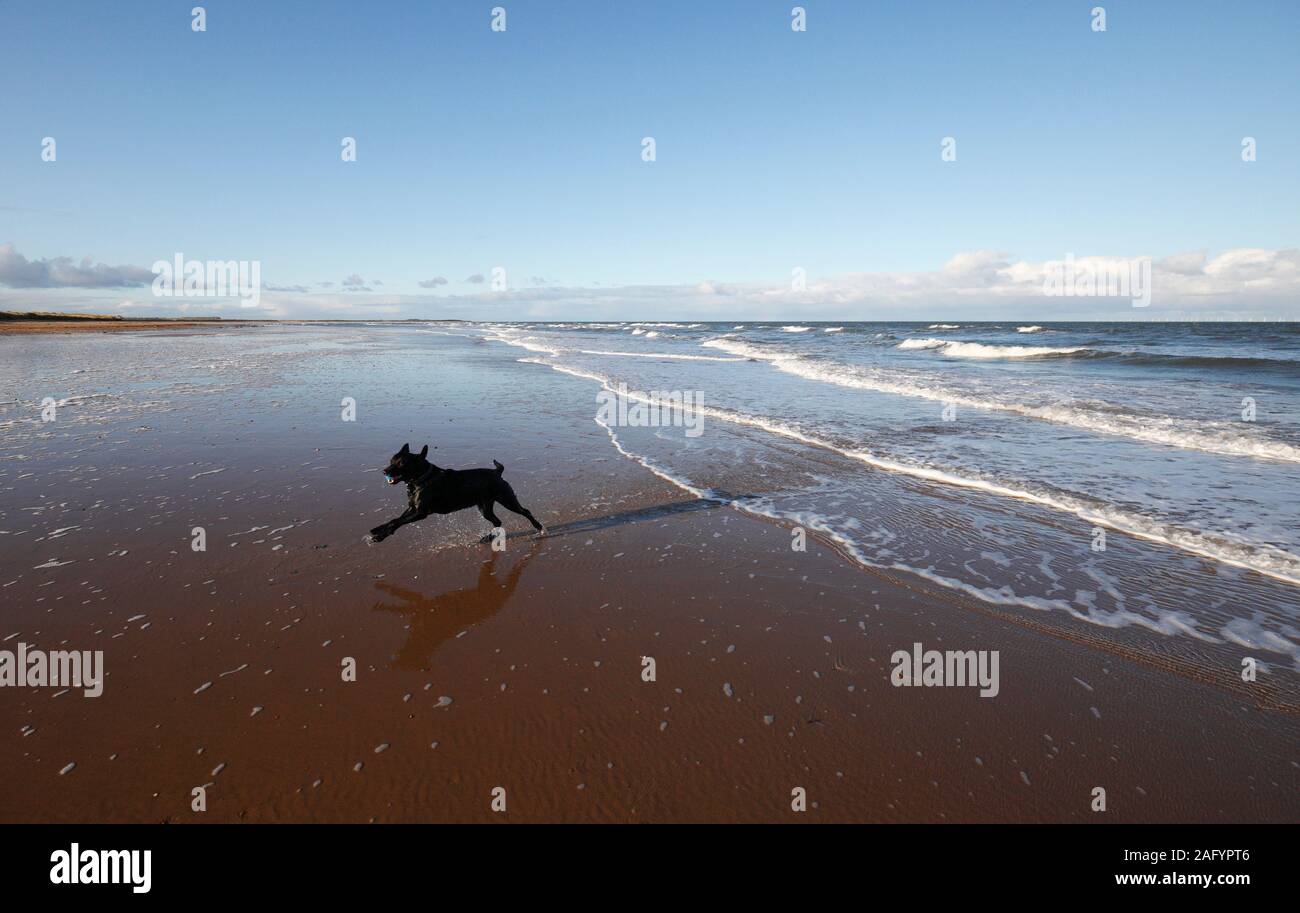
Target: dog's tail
x: 500, y: 468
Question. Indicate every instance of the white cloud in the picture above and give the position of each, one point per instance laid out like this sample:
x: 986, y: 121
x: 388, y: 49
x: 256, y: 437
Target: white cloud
x: 1244, y: 283
x: 16, y: 271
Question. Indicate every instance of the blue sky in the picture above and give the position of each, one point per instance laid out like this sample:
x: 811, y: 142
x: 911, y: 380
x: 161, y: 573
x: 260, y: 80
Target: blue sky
x: 522, y: 149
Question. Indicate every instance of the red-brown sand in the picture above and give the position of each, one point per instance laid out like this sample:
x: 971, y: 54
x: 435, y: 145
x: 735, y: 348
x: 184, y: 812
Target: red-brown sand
x: 524, y: 669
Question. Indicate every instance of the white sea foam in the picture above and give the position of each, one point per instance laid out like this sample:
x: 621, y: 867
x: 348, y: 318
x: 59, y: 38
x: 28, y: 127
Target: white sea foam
x: 955, y: 349
x: 673, y: 355
x: 1032, y: 329
x: 796, y: 329
x: 1166, y: 622
x: 979, y: 350
x: 531, y: 343
x: 1223, y: 547
x: 1222, y: 438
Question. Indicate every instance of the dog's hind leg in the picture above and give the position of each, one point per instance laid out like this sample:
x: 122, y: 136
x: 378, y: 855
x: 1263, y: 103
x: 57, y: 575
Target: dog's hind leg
x: 506, y: 498
x: 489, y: 515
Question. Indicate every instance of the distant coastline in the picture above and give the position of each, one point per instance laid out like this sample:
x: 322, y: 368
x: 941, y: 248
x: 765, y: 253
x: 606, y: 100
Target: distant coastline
x: 52, y: 322
x: 18, y: 322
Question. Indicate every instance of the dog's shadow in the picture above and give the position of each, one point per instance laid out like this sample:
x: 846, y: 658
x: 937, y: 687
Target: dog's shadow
x: 641, y: 515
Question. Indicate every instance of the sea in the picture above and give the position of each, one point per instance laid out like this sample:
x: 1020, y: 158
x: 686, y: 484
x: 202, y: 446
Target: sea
x: 1113, y: 479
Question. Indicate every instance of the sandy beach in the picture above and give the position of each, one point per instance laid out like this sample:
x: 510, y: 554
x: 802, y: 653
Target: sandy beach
x: 19, y: 325
x: 520, y: 669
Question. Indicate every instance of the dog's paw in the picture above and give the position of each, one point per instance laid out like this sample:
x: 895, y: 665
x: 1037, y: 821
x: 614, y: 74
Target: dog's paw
x: 378, y: 534
x: 540, y: 534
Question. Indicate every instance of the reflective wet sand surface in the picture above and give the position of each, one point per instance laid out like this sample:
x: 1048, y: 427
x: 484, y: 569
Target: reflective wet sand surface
x: 521, y: 669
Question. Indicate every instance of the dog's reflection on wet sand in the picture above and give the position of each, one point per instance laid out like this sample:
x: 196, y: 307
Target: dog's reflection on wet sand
x: 437, y: 618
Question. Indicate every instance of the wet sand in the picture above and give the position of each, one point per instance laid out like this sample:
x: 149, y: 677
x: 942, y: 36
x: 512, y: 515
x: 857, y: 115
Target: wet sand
x: 520, y: 669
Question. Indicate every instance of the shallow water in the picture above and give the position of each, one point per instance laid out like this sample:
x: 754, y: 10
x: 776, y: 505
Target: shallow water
x: 1127, y: 476
x: 990, y: 463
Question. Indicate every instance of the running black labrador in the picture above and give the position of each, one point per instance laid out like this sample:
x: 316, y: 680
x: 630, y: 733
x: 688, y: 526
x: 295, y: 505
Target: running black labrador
x: 431, y: 490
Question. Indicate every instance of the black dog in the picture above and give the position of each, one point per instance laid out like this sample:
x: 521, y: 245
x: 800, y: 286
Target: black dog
x: 431, y: 490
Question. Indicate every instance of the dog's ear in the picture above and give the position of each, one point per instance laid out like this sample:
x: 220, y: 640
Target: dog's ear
x: 424, y: 452
x: 406, y: 448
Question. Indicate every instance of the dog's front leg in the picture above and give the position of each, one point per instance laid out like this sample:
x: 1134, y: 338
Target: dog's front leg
x: 382, y: 532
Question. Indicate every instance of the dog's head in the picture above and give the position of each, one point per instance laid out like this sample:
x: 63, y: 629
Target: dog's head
x: 406, y: 466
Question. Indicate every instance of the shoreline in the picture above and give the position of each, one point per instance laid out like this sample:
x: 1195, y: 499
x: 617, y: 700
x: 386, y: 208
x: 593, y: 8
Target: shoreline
x: 524, y: 669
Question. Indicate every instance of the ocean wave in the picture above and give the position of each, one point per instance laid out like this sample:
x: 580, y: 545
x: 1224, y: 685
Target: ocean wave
x: 1222, y: 438
x: 525, y: 342
x: 921, y: 343
x: 1166, y: 622
x: 673, y: 355
x: 1226, y: 362
x: 1033, y: 329
x: 796, y: 329
x: 944, y: 326
x: 954, y: 349
x: 606, y: 326
x: 1223, y: 547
